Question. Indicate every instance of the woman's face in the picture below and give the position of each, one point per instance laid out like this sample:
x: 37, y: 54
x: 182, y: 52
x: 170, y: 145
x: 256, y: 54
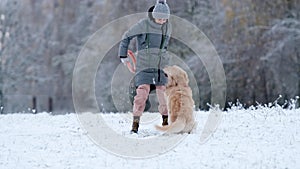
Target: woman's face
x: 160, y: 21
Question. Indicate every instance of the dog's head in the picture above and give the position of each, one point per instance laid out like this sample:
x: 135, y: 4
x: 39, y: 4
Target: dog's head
x: 176, y: 76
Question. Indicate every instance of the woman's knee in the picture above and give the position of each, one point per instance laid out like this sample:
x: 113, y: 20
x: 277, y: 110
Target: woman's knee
x: 142, y: 92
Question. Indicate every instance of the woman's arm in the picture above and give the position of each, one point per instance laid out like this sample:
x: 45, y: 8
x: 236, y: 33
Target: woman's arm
x: 133, y: 31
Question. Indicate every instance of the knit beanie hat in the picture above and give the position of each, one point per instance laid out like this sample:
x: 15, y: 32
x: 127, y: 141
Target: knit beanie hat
x: 161, y: 10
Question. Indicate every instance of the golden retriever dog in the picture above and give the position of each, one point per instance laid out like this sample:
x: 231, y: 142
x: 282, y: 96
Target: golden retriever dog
x: 179, y: 101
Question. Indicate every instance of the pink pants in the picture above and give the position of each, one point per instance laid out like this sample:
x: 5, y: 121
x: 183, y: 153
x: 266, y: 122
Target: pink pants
x: 142, y: 93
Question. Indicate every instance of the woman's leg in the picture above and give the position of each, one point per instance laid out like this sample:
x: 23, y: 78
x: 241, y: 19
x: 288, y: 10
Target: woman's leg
x: 142, y: 93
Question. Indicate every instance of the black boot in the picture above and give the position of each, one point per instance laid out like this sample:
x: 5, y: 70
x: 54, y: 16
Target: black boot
x: 135, y: 124
x: 165, y: 120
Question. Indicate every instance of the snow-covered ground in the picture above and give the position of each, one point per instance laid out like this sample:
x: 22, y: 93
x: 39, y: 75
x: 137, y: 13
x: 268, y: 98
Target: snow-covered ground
x: 260, y: 138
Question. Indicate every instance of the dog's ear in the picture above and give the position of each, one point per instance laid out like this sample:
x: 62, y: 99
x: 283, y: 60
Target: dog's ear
x: 173, y: 81
x: 183, y: 79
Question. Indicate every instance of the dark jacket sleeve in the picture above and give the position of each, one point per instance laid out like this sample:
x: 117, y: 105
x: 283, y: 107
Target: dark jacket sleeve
x: 133, y: 31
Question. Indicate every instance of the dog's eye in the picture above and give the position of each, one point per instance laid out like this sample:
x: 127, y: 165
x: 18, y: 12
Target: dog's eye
x: 166, y: 75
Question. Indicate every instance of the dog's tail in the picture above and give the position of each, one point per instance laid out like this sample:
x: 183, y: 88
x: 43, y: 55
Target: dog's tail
x: 175, y: 127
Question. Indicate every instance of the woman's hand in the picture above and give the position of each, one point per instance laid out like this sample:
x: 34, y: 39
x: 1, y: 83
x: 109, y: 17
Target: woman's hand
x: 126, y: 61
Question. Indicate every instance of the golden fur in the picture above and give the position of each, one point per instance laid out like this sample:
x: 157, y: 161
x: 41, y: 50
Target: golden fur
x: 179, y: 101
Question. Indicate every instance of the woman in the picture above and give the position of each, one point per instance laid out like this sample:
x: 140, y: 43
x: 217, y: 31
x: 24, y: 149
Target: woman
x: 153, y: 34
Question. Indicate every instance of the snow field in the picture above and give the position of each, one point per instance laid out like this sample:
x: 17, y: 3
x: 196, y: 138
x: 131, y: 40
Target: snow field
x: 252, y: 138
